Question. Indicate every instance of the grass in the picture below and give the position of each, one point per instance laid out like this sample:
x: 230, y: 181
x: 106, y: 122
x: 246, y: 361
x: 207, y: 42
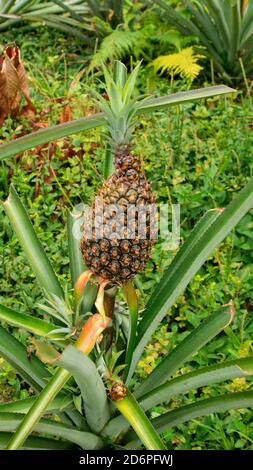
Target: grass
x: 198, y: 156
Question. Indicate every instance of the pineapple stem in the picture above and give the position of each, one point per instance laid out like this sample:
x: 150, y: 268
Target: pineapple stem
x: 109, y: 304
x: 132, y: 302
x: 108, y: 163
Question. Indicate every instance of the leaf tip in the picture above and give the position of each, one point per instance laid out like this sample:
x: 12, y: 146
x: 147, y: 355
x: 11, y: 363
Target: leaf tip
x: 10, y: 195
x: 231, y: 310
x: 217, y: 209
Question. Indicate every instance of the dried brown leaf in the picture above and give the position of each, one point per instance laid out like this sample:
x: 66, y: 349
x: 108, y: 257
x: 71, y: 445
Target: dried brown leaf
x: 13, y: 82
x: 66, y: 114
x: 9, y: 86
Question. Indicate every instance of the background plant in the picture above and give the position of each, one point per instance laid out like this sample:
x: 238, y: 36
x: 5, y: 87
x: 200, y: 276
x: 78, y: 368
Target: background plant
x: 68, y: 16
x: 223, y: 28
x: 73, y: 17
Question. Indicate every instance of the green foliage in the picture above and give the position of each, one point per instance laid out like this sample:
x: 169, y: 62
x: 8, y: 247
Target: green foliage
x: 188, y: 347
x: 117, y: 45
x: 202, y: 164
x: 72, y: 17
x: 110, y: 11
x: 223, y: 28
x: 65, y: 16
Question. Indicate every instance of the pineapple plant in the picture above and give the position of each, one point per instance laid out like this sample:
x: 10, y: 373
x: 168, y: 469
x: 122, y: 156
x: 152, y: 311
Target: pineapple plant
x: 98, y: 408
x: 122, y: 228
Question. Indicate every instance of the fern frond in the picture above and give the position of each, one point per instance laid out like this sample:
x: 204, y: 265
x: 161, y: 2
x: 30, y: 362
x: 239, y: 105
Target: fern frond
x: 184, y: 63
x: 116, y: 45
x: 168, y: 38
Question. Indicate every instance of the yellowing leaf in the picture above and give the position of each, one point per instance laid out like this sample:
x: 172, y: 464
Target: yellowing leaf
x: 45, y: 352
x: 183, y: 63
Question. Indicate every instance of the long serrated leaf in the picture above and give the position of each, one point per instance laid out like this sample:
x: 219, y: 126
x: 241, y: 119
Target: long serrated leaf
x: 53, y: 313
x: 7, y: 6
x: 165, y: 293
x: 207, y: 330
x: 28, y: 322
x: 32, y: 370
x: 200, y: 229
x: 199, y: 378
x: 70, y: 10
x: 207, y: 25
x: 63, y: 130
x: 38, y: 443
x: 178, y: 263
x: 230, y: 401
x: 51, y: 21
x: 31, y: 245
x: 91, y: 386
x: 190, y: 27
x: 152, y: 104
x: 235, y: 26
x: 23, y: 406
x: 74, y: 223
x: 219, y: 18
x: 56, y: 383
x: 180, y: 385
x: 9, y: 422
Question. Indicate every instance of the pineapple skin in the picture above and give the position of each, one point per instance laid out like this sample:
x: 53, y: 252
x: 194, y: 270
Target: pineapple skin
x: 110, y: 257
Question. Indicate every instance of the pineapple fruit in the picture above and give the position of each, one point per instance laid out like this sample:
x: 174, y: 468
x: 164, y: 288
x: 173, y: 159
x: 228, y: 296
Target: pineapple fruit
x: 126, y: 201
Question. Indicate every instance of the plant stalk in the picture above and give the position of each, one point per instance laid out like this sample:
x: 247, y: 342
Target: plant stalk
x: 132, y: 302
x: 108, y: 163
x: 135, y: 415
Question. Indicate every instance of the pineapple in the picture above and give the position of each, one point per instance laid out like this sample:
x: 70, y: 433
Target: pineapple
x: 126, y: 199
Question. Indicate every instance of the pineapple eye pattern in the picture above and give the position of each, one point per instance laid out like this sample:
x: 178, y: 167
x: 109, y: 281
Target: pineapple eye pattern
x: 124, y: 243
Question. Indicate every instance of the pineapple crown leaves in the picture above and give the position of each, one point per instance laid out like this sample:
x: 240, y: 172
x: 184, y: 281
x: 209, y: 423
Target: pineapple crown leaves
x: 120, y: 108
